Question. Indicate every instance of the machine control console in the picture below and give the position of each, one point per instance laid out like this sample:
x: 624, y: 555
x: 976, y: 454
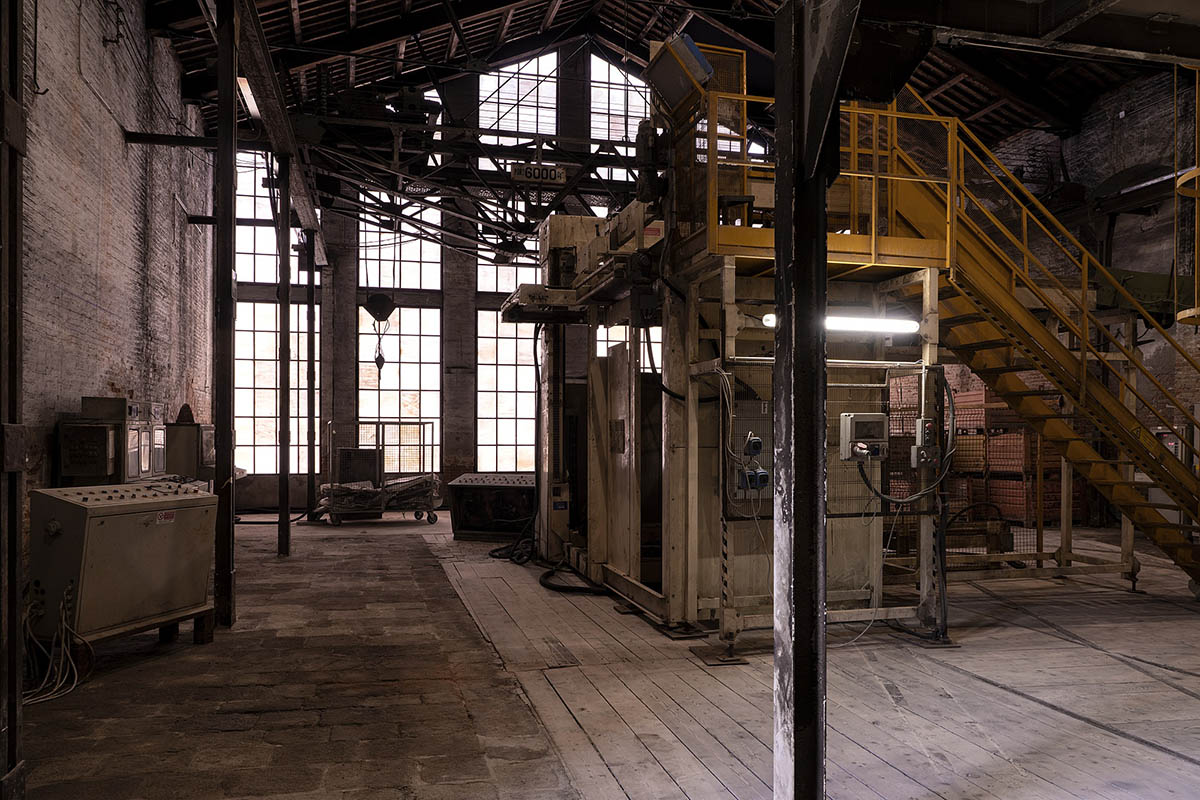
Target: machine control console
x: 864, y: 436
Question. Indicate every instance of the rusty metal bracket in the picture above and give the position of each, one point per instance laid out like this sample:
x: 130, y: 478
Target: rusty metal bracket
x: 13, y: 442
x: 12, y: 122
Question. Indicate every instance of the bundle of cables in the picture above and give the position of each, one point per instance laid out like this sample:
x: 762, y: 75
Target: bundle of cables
x: 52, y: 666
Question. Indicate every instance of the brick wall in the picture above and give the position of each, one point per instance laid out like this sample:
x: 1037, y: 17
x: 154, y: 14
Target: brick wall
x: 1130, y: 127
x: 117, y: 284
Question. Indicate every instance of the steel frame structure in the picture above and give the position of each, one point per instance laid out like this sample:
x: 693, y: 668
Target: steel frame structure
x: 12, y: 433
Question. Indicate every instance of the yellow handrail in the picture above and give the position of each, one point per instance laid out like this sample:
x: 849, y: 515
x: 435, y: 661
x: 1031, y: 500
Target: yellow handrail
x: 970, y: 146
x: 1031, y: 200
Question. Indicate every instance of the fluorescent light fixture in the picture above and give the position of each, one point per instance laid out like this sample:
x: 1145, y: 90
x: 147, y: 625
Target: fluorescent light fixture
x: 768, y: 320
x: 871, y: 325
x: 248, y: 98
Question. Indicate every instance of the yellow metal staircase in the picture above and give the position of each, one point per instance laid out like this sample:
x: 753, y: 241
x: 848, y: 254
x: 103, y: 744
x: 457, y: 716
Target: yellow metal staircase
x: 1017, y: 306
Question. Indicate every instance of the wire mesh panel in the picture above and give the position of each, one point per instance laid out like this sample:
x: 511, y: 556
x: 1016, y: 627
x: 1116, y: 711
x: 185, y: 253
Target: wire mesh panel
x: 406, y: 448
x: 995, y: 501
x: 377, y: 466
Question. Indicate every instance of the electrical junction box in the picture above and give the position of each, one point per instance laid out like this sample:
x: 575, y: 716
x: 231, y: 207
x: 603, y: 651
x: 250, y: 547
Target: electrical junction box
x: 926, y: 431
x: 864, y: 436
x: 120, y: 559
x: 926, y: 456
x: 558, y: 511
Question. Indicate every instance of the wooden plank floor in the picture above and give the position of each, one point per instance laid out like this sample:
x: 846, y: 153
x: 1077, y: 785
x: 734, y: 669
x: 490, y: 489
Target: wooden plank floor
x: 1060, y: 689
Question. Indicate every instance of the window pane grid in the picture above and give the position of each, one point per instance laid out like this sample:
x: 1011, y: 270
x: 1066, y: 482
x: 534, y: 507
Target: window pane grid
x: 255, y: 253
x: 403, y: 259
x: 520, y: 268
x: 520, y: 97
x: 256, y: 388
x: 505, y: 409
x: 618, y: 103
x: 407, y: 389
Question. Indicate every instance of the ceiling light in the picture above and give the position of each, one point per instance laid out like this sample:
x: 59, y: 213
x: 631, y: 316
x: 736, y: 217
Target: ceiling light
x: 248, y: 98
x: 871, y: 325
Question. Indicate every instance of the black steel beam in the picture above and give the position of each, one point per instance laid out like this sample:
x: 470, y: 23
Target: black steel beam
x: 12, y: 386
x: 310, y: 264
x: 283, y: 245
x: 812, y: 40
x: 224, y: 303
x: 202, y: 142
x: 249, y: 222
x: 1017, y: 24
x: 1077, y: 17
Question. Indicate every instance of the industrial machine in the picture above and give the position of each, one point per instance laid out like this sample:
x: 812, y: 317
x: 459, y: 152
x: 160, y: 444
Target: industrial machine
x: 934, y: 249
x: 671, y: 504
x: 106, y: 561
x: 113, y: 440
x: 492, y: 506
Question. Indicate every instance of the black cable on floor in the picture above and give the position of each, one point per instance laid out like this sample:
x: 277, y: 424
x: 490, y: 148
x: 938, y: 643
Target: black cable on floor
x: 521, y: 549
x: 567, y: 588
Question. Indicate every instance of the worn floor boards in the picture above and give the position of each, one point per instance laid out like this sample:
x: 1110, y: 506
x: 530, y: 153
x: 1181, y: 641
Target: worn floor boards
x: 1072, y: 689
x: 353, y: 672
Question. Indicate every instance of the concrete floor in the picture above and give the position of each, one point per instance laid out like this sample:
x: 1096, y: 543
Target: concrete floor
x: 354, y: 671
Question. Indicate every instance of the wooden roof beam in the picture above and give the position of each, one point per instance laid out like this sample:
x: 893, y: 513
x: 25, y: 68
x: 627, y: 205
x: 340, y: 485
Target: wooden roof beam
x: 297, y: 32
x: 551, y: 12
x: 946, y: 86
x: 255, y: 61
x: 1093, y: 9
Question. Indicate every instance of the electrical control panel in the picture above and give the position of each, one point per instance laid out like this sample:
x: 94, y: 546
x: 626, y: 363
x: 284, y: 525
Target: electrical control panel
x: 119, y: 558
x: 864, y: 436
x: 926, y: 452
x: 112, y: 440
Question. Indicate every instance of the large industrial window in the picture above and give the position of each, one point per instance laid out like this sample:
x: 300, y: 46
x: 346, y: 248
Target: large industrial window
x: 619, y: 334
x: 507, y: 265
x: 256, y: 387
x: 407, y: 388
x: 619, y: 103
x: 408, y: 258
x: 520, y: 97
x: 257, y: 259
x: 505, y: 399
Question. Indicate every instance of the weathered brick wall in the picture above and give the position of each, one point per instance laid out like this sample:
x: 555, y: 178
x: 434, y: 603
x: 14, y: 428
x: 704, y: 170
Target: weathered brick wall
x: 117, y: 284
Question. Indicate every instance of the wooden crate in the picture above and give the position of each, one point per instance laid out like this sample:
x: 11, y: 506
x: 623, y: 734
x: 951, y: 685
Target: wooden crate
x: 1016, y: 451
x: 970, y: 452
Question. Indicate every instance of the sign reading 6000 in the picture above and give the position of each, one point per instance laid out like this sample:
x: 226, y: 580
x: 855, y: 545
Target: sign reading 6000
x: 538, y: 173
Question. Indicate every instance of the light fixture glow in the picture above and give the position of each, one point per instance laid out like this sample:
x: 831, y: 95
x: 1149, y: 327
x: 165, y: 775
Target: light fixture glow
x: 248, y: 98
x: 871, y: 325
x: 768, y: 320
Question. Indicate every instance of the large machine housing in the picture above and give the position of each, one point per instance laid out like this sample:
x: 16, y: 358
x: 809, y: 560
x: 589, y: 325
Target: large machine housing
x: 119, y: 559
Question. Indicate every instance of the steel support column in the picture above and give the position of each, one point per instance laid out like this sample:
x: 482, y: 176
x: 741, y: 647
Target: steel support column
x: 12, y: 443
x: 225, y: 307
x: 310, y: 263
x: 283, y: 246
x: 811, y: 44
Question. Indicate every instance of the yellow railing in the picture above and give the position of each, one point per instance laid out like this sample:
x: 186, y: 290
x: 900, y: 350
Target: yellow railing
x: 1037, y: 229
x: 905, y: 147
